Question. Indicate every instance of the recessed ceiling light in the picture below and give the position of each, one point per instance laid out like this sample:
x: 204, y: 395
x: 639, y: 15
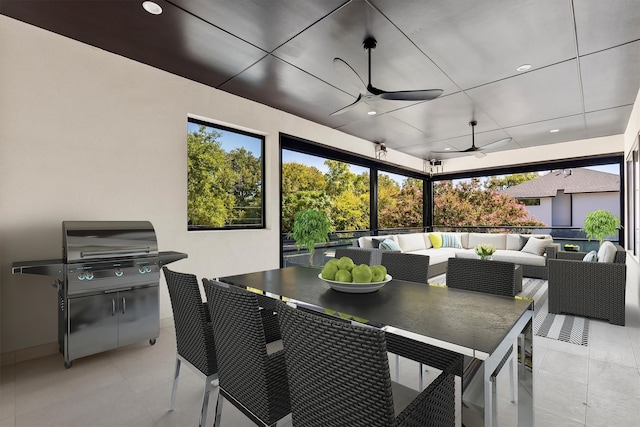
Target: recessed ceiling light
x: 151, y: 7
x: 554, y: 130
x: 447, y: 149
x: 372, y: 113
x: 524, y: 67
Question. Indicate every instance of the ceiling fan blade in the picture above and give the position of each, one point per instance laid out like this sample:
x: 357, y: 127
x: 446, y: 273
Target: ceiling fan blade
x: 411, y: 95
x: 346, y: 70
x: 348, y: 107
x: 497, y: 143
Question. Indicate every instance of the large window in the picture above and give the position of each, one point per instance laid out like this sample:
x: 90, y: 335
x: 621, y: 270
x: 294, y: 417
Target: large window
x: 400, y: 201
x: 225, y: 176
x: 339, y: 189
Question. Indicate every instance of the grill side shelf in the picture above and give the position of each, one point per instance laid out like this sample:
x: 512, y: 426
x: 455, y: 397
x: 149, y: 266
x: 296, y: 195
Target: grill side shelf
x: 53, y: 268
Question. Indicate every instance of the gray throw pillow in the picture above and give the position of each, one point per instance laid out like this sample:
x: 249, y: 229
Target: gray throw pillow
x: 607, y: 252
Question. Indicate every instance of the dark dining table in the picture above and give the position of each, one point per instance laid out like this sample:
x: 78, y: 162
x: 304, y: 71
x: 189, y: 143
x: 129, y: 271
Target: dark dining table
x: 486, y: 328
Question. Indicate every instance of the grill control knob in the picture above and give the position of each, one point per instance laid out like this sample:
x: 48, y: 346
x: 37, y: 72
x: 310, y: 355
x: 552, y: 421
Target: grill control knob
x: 81, y: 276
x: 118, y: 272
x: 88, y: 275
x: 147, y: 269
x: 142, y: 270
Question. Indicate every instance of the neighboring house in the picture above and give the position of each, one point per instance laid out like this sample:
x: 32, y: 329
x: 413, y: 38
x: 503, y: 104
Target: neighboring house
x: 563, y: 197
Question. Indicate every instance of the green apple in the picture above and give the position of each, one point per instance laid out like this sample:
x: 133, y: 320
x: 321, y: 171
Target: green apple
x: 378, y: 273
x: 346, y: 263
x: 343, y: 276
x: 329, y: 271
x: 333, y: 261
x: 361, y: 274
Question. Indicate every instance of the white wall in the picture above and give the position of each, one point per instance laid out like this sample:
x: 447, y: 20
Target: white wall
x: 587, y: 202
x: 88, y: 135
x: 542, y: 212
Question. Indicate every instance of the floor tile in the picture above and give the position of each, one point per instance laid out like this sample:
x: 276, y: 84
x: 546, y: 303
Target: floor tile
x: 560, y: 397
x: 609, y: 377
x: 607, y: 408
x: 565, y: 365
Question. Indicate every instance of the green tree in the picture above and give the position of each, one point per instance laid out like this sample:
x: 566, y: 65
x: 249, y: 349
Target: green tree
x: 300, y: 201
x: 407, y: 207
x: 501, y: 183
x: 247, y: 189
x: 210, y: 176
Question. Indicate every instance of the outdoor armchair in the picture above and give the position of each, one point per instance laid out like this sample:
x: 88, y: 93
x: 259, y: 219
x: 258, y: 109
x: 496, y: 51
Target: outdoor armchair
x: 589, y: 289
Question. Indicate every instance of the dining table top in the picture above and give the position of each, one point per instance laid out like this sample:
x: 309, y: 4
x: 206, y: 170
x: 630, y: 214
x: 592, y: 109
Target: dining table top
x: 471, y: 322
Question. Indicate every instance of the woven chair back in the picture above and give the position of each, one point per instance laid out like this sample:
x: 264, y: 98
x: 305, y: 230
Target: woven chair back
x: 240, y: 344
x: 338, y: 373
x: 194, y: 337
x: 358, y: 255
x: 409, y: 267
x: 493, y: 277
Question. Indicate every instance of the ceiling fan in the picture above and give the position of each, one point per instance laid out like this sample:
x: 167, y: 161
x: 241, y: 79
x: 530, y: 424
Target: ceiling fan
x: 370, y: 93
x: 476, y: 151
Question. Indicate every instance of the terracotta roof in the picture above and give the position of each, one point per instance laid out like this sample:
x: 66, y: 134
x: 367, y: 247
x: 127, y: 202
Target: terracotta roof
x: 572, y: 181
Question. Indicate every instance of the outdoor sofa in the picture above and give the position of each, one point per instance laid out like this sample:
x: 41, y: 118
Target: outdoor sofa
x: 510, y: 247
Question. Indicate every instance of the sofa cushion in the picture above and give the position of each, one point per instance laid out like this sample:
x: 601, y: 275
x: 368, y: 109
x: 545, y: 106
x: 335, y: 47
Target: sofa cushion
x: 607, y: 252
x: 515, y: 242
x: 436, y: 240
x: 519, y: 257
x: 536, y: 246
x: 427, y: 240
x: 591, y: 257
x: 391, y: 245
x: 499, y: 241
x: 451, y: 240
x: 411, y: 242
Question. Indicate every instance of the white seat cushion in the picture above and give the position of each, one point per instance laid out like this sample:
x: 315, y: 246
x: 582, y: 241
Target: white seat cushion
x: 518, y: 257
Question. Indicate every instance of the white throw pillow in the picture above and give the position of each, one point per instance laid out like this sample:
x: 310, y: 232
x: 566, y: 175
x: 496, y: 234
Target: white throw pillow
x: 607, y: 252
x: 536, y: 246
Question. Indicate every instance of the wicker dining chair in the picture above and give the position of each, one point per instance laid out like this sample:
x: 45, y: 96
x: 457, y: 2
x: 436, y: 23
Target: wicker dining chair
x: 194, y: 337
x: 339, y: 376
x: 358, y: 255
x: 491, y: 277
x: 253, y: 375
x: 409, y: 267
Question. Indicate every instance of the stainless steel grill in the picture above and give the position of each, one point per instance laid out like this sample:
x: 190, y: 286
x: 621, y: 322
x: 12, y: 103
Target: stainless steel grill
x: 107, y: 285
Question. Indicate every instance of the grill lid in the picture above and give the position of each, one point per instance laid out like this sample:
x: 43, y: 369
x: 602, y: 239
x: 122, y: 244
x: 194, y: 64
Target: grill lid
x: 91, y: 240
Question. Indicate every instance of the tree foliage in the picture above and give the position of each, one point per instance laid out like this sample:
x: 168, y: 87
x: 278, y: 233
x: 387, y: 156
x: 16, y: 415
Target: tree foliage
x: 501, y: 183
x: 469, y: 203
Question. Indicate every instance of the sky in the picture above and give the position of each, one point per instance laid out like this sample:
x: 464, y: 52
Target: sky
x: 232, y: 140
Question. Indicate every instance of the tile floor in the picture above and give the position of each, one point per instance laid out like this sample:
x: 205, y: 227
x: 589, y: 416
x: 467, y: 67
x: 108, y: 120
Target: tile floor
x: 598, y: 385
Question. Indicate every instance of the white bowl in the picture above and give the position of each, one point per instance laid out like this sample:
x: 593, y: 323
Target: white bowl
x: 355, y: 288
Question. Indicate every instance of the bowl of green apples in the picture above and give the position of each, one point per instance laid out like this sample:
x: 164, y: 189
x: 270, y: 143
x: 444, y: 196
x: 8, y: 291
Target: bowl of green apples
x: 343, y: 275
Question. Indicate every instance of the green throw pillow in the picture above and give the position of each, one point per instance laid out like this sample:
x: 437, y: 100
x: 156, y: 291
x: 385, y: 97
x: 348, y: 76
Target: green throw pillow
x: 436, y: 240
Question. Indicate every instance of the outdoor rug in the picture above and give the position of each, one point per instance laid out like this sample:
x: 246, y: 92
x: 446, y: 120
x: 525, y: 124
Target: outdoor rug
x: 561, y: 327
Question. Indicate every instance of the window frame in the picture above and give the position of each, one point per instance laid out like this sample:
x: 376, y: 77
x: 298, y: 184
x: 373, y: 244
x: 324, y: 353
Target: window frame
x: 261, y: 138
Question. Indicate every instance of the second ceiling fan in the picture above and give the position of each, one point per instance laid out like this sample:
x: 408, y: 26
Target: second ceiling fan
x: 368, y: 92
x: 476, y: 151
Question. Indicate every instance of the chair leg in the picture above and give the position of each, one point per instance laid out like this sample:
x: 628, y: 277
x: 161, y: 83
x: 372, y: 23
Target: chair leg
x: 175, y: 385
x: 205, y: 402
x: 218, y: 417
x: 420, y: 377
